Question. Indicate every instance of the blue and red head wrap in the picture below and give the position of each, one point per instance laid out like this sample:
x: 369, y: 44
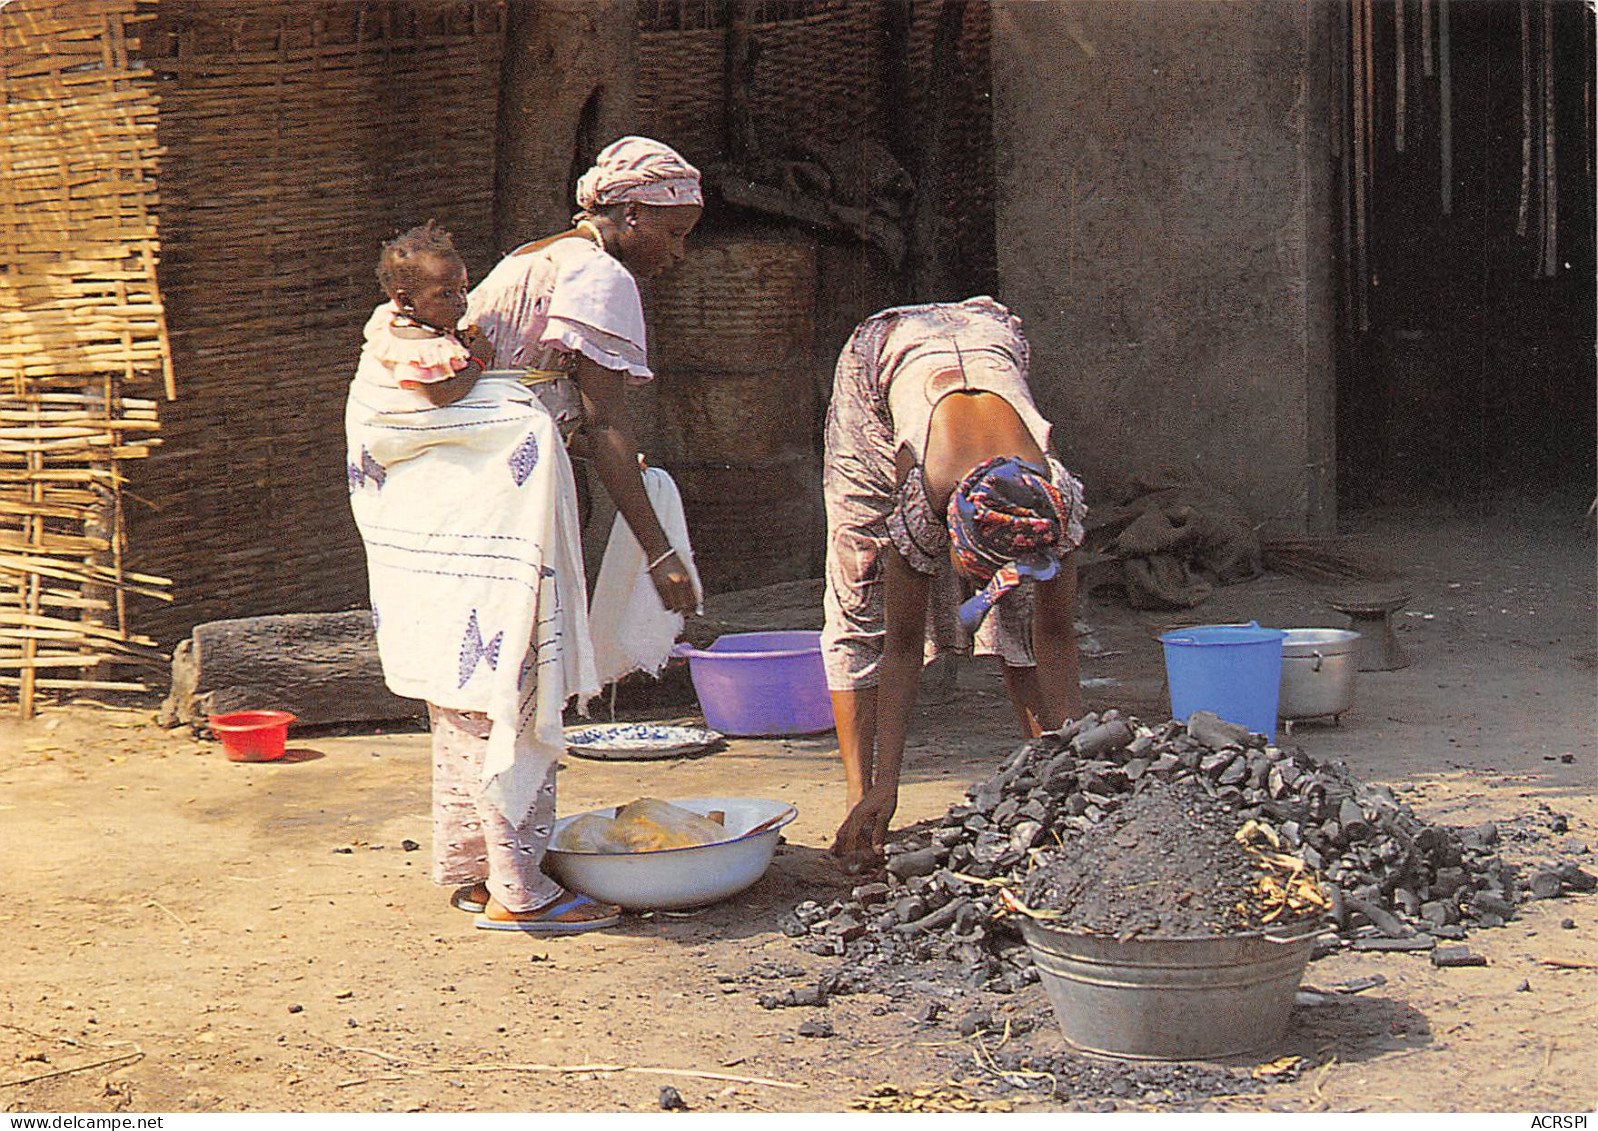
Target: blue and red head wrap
x: 1007, y: 522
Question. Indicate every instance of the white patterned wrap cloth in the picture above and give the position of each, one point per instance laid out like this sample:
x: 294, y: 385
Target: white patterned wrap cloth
x: 469, y: 517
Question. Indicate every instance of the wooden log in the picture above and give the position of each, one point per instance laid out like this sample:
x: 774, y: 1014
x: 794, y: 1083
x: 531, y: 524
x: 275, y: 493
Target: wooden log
x: 323, y: 667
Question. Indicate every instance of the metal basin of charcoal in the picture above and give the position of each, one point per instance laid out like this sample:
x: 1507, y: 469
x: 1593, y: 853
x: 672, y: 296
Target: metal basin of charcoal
x: 1198, y: 997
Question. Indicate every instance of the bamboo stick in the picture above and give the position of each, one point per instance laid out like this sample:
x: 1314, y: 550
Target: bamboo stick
x: 31, y: 661
x: 1345, y: 150
x: 1370, y: 88
x: 1446, y: 110
x: 78, y: 684
x: 1525, y: 117
x: 86, y: 570
x: 1539, y: 152
x: 1357, y: 45
x: 1550, y: 168
x: 56, y: 599
x: 34, y: 525
x: 75, y: 626
x: 1400, y: 50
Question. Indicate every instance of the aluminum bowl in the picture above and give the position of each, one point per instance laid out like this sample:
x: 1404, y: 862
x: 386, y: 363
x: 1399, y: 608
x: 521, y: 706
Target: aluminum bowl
x: 671, y: 878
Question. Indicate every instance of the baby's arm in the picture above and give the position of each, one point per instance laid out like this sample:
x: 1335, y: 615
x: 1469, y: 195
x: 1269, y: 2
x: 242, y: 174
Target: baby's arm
x: 451, y: 389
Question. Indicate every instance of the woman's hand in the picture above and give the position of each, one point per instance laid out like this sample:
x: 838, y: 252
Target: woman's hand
x: 864, y: 831
x: 672, y: 583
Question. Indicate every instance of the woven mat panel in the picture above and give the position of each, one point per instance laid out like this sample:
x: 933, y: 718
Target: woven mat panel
x: 685, y: 15
x: 298, y: 137
x: 83, y: 347
x: 818, y: 78
x: 967, y: 178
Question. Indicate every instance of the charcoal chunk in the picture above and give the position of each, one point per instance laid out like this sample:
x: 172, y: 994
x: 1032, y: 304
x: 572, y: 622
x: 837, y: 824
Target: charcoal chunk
x: 671, y: 1099
x: 909, y: 908
x: 1034, y: 811
x: 1450, y: 956
x: 975, y: 1023
x: 922, y: 863
x: 1576, y: 878
x: 1485, y: 902
x: 1545, y: 884
x: 867, y: 894
x: 1213, y: 731
x: 1352, y: 818
x: 1437, y: 912
x: 1418, y: 942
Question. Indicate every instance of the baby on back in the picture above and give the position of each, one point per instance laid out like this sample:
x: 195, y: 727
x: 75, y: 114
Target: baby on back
x: 414, y: 343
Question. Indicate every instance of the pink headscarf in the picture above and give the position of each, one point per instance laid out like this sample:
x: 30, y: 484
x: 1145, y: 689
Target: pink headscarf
x: 642, y: 170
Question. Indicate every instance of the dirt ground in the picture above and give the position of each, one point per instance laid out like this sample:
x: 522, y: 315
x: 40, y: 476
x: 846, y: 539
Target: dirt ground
x: 188, y: 934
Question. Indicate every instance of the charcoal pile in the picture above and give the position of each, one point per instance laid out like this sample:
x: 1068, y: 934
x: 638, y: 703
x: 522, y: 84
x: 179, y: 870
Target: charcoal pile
x: 1167, y: 862
x: 1393, y: 880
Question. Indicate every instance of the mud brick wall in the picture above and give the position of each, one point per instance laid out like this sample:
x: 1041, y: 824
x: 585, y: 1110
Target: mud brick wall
x: 1164, y: 228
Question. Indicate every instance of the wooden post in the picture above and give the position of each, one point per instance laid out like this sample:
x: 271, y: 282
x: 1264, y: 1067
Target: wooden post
x: 930, y: 276
x: 567, y: 89
x: 738, y: 76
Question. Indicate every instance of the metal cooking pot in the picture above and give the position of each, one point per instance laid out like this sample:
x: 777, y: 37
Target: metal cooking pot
x: 1317, y: 672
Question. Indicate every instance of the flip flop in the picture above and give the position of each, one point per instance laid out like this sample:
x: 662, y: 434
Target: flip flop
x: 466, y: 900
x: 550, y: 921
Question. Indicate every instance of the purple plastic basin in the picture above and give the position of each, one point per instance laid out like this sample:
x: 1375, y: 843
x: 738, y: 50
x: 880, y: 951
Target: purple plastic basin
x: 758, y: 684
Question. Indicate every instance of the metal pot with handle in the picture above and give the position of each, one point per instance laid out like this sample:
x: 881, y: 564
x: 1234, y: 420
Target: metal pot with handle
x: 1317, y: 673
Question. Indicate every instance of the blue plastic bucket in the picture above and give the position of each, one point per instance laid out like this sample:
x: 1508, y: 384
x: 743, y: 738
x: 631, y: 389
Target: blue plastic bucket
x: 1234, y: 670
x: 761, y: 683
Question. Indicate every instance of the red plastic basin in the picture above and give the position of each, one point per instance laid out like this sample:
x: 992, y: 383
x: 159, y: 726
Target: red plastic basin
x: 253, y: 736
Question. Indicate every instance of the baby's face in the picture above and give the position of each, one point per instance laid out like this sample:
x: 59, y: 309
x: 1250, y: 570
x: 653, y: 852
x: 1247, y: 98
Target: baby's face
x: 437, y: 295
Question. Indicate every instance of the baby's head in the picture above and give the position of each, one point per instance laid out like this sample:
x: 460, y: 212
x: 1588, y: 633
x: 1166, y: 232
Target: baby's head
x: 425, y: 276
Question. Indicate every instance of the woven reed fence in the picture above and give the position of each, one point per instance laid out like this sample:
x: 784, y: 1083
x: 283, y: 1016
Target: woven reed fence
x: 82, y: 346
x: 818, y: 78
x: 298, y: 136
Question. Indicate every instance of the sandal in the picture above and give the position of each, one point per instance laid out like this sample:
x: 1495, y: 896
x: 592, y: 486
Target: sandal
x: 473, y: 898
x: 571, y: 915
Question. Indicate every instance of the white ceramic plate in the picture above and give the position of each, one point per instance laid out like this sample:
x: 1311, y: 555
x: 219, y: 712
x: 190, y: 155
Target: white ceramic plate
x: 637, y: 742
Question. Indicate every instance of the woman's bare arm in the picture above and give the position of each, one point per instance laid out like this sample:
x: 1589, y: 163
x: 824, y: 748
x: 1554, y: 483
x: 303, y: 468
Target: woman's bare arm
x: 615, y: 456
x: 1054, y: 646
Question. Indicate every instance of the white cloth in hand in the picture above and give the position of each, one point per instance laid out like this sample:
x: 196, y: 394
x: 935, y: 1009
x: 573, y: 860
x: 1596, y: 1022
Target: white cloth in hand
x: 631, y: 630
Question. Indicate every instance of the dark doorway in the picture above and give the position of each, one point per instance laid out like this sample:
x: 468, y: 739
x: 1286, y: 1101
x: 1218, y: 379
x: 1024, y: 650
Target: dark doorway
x: 1466, y: 362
